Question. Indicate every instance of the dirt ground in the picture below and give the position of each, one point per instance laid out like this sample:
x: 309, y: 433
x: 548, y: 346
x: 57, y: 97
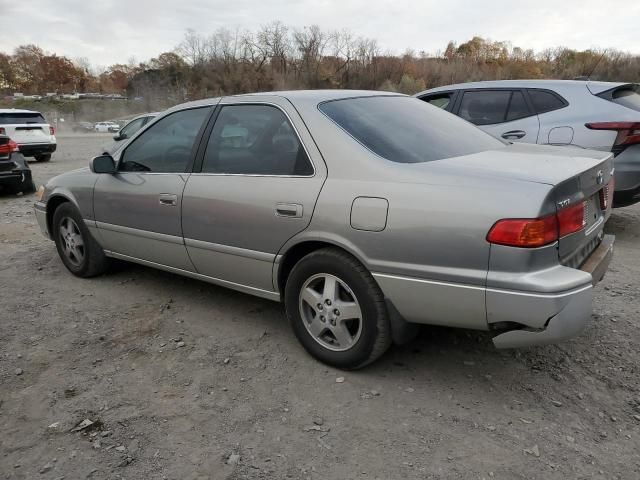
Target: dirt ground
x: 185, y: 380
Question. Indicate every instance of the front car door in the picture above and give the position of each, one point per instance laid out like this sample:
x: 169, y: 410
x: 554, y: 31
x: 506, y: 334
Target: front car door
x: 504, y: 113
x: 256, y: 187
x: 138, y: 209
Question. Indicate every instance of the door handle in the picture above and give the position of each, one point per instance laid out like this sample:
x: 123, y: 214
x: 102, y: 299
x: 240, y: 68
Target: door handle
x: 513, y: 134
x: 293, y: 210
x: 168, y: 199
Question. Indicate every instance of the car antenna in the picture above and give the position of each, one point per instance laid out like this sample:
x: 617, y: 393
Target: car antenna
x: 588, y: 77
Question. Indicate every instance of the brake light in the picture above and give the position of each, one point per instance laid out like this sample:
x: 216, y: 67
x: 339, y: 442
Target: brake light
x: 537, y: 232
x: 606, y: 194
x: 9, y: 147
x: 52, y: 131
x: 628, y: 132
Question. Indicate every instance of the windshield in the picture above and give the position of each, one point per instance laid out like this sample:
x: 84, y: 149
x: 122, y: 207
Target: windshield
x: 407, y: 130
x: 13, y: 118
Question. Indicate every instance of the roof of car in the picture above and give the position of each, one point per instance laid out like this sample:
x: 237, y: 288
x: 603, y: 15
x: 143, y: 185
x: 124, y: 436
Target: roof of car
x: 595, y: 87
x: 16, y: 110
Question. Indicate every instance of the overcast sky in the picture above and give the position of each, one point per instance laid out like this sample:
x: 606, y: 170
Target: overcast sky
x: 113, y: 31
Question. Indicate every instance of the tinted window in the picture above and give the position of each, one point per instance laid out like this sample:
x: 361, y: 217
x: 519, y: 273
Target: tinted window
x: 545, y: 101
x: 132, y: 127
x: 485, y: 107
x: 627, y: 97
x: 517, y: 107
x: 166, y: 146
x: 407, y: 130
x: 441, y: 101
x: 255, y: 139
x: 12, y: 118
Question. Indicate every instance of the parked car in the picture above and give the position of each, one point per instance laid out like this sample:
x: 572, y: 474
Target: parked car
x: 104, y: 127
x: 596, y: 115
x: 15, y: 174
x: 83, y: 127
x: 34, y: 136
x: 364, y: 212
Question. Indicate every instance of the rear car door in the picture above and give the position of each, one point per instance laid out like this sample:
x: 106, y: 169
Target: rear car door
x: 256, y: 187
x: 504, y: 113
x: 138, y: 209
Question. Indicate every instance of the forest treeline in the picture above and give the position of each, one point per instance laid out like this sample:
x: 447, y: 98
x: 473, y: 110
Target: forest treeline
x: 277, y: 57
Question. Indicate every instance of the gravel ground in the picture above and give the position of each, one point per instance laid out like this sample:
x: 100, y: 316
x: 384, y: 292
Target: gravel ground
x: 185, y: 380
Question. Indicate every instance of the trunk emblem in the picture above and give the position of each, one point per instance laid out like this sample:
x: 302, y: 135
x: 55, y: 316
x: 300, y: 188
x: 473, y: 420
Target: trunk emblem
x: 600, y: 177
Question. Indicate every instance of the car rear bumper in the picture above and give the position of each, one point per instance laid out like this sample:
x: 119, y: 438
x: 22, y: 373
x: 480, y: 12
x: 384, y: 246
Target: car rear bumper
x: 573, y: 309
x: 41, y: 216
x: 15, y: 178
x: 31, y: 149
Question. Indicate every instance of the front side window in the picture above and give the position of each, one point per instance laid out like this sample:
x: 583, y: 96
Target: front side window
x: 166, y: 146
x: 485, y: 107
x: 407, y: 130
x: 132, y: 127
x: 255, y: 140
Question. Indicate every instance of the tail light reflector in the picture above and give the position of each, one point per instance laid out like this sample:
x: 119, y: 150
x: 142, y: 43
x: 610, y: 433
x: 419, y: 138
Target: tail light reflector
x: 9, y: 147
x: 537, y: 232
x: 52, y: 131
x: 606, y: 195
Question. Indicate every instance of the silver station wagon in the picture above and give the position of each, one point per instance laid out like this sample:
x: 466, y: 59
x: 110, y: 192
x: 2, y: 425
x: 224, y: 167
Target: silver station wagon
x: 366, y: 213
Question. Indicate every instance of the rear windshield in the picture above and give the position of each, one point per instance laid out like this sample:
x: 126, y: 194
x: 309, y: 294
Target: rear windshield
x: 11, y: 118
x: 627, y: 97
x: 407, y: 130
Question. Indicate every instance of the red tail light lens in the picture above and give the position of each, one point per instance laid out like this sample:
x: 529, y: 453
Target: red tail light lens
x: 9, y: 147
x: 537, y: 232
x: 523, y: 232
x: 628, y: 132
x: 52, y: 131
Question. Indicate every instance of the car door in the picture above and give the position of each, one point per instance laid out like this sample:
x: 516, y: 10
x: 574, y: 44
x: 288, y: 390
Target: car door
x: 138, y: 209
x: 503, y: 113
x: 257, y: 185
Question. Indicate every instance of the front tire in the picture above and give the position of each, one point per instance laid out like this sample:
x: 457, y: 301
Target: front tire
x: 78, y: 250
x: 337, y: 310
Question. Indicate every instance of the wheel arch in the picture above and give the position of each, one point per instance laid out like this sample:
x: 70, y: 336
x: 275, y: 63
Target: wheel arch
x: 53, y: 203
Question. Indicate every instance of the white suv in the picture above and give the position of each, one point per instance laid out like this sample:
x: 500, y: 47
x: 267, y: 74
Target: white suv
x: 34, y: 136
x: 595, y: 115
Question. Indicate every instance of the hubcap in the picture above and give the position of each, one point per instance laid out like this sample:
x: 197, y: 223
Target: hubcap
x: 71, y: 241
x: 330, y: 312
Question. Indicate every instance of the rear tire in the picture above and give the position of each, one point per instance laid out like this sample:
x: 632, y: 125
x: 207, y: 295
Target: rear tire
x: 325, y: 293
x: 43, y: 158
x: 78, y: 250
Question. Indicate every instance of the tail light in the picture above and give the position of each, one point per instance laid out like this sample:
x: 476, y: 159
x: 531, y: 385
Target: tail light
x: 52, y: 131
x: 606, y: 195
x: 628, y: 133
x: 9, y: 147
x: 537, y: 232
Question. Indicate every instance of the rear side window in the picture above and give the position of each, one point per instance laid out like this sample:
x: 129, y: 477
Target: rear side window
x: 407, y: 130
x: 20, y: 118
x: 627, y: 97
x: 544, y: 101
x: 255, y: 140
x: 517, y: 107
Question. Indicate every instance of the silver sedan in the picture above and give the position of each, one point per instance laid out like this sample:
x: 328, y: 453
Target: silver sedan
x: 366, y: 213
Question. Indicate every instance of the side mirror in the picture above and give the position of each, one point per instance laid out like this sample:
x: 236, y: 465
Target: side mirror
x: 103, y: 164
x: 120, y: 136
